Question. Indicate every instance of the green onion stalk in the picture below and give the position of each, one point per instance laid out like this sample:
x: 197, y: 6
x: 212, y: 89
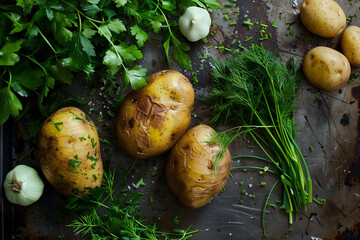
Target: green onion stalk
x: 256, y: 91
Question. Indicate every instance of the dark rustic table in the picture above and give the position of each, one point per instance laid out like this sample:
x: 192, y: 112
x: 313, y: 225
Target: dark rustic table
x: 328, y: 122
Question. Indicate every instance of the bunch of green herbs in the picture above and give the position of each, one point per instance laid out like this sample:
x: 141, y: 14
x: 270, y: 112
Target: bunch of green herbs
x: 110, y: 214
x: 44, y: 42
x: 258, y: 92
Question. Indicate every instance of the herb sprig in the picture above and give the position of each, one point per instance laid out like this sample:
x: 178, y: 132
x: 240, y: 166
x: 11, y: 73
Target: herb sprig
x: 44, y: 42
x: 118, y: 218
x: 254, y: 89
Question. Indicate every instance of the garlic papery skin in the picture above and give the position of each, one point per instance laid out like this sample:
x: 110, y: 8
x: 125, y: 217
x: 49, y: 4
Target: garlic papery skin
x: 195, y: 23
x: 23, y: 185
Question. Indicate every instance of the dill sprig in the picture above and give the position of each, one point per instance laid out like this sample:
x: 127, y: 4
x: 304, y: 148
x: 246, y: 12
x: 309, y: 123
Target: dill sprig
x: 105, y: 215
x: 254, y: 89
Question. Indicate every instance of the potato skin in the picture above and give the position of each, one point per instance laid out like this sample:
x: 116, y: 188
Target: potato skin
x: 324, y: 18
x: 151, y: 119
x: 326, y: 68
x: 189, y: 169
x: 350, y: 44
x: 69, y: 152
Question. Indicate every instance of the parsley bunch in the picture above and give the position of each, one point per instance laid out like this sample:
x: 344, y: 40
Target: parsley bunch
x: 43, y: 42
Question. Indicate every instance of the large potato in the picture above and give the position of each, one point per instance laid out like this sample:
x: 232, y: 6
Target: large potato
x: 324, y: 18
x: 151, y: 119
x: 69, y: 152
x: 189, y: 169
x: 326, y: 68
x: 350, y: 44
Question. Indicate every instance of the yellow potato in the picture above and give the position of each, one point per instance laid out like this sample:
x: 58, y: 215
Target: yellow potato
x: 324, y: 18
x: 151, y: 119
x: 326, y: 68
x: 69, y: 152
x: 350, y: 44
x: 189, y: 169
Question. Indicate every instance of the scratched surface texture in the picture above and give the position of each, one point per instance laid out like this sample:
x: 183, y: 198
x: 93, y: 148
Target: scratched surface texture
x: 328, y: 122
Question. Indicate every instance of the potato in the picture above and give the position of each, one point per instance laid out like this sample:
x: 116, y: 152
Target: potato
x: 151, y: 119
x: 326, y: 68
x: 69, y: 152
x: 189, y: 169
x: 324, y: 18
x: 350, y: 44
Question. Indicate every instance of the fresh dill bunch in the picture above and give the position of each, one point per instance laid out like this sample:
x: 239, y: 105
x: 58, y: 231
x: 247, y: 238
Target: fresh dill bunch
x: 258, y: 93
x: 250, y: 84
x: 104, y: 214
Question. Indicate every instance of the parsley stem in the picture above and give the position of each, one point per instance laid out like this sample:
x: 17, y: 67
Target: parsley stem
x: 47, y: 41
x: 10, y: 78
x: 12, y: 19
x: 36, y: 62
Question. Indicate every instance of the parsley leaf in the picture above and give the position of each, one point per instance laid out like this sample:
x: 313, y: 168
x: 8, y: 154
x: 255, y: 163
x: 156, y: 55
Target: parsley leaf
x: 156, y: 22
x: 8, y: 56
x: 49, y: 83
x: 29, y: 78
x: 115, y: 26
x: 167, y: 48
x: 11, y: 104
x: 120, y: 3
x: 112, y: 61
x: 26, y: 5
x: 140, y: 35
x: 59, y: 28
x: 179, y: 54
x: 136, y: 76
x: 60, y: 73
x: 129, y: 53
x: 214, y: 4
x: 80, y: 51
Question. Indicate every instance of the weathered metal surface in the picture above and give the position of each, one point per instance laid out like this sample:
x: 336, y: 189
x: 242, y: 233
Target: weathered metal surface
x: 327, y: 121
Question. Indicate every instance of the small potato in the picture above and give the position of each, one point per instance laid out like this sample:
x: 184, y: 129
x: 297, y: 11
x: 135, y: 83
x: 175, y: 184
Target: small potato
x: 189, y: 169
x: 69, y: 152
x: 151, y: 119
x: 326, y: 68
x: 324, y: 18
x: 350, y: 44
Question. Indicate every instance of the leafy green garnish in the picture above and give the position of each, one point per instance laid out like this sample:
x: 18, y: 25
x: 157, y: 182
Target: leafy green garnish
x: 43, y: 43
x: 258, y: 92
x: 117, y: 219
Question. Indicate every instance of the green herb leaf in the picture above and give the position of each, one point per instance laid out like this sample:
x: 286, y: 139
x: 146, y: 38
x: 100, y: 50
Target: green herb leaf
x: 80, y: 51
x: 11, y: 104
x: 26, y: 5
x: 89, y: 33
x: 156, y: 22
x: 114, y: 25
x: 120, y: 3
x: 140, y: 35
x: 59, y: 27
x: 136, y: 76
x: 129, y: 53
x: 179, y: 54
x: 49, y: 83
x: 167, y: 48
x: 29, y: 78
x: 61, y: 74
x: 8, y: 56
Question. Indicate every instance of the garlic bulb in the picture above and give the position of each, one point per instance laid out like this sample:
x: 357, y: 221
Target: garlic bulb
x: 195, y: 23
x: 23, y: 186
